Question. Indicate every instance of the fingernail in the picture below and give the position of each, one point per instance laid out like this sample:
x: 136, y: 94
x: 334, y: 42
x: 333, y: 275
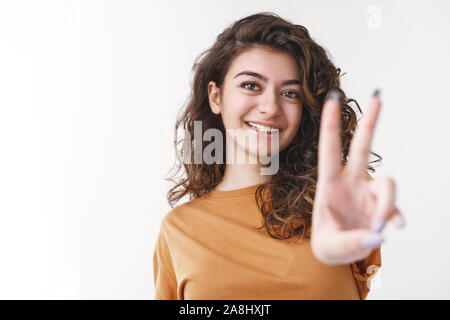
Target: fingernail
x: 376, y: 93
x: 333, y: 95
x: 378, y: 225
x: 371, y: 240
x: 399, y: 221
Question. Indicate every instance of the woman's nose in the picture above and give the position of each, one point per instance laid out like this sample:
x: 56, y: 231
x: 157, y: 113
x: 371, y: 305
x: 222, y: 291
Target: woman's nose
x: 270, y: 105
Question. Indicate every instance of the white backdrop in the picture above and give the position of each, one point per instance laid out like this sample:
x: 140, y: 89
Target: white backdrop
x: 89, y: 91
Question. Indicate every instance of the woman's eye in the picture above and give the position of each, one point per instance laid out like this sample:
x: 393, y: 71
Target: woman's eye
x: 251, y: 83
x: 293, y: 95
x: 246, y: 84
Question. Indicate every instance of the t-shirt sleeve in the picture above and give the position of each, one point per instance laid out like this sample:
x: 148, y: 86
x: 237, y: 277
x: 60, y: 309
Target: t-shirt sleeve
x: 364, y: 270
x: 164, y: 277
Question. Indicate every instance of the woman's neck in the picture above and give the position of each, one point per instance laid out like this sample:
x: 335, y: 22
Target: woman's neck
x: 239, y: 176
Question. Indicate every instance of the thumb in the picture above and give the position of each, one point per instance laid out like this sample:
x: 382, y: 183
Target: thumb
x: 349, y: 246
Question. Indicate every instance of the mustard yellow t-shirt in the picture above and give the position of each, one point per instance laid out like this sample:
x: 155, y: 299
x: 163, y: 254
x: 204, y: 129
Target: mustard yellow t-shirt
x: 208, y: 248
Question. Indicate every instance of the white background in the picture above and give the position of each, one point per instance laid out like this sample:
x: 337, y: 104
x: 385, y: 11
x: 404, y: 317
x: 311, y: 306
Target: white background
x: 89, y: 92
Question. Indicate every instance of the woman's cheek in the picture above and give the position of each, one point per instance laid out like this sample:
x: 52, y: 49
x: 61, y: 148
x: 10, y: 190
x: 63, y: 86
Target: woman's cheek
x: 294, y: 115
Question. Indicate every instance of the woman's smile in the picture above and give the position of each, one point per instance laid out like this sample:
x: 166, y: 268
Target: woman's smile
x: 263, y: 130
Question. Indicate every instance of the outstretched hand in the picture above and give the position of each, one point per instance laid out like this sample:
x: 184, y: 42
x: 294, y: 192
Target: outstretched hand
x: 350, y: 210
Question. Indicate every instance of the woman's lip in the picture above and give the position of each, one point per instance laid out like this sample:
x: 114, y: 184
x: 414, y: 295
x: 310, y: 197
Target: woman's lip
x: 261, y: 132
x: 266, y: 124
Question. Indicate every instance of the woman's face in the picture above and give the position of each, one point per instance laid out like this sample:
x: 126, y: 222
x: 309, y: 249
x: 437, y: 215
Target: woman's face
x: 261, y: 87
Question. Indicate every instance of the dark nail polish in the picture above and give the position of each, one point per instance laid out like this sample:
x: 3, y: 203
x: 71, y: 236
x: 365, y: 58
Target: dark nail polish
x: 376, y: 93
x: 333, y: 95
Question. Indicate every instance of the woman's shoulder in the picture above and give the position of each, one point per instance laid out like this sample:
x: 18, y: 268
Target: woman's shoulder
x: 184, y: 213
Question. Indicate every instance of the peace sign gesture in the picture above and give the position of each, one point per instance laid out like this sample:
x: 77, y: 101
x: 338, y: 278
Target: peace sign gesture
x: 350, y: 210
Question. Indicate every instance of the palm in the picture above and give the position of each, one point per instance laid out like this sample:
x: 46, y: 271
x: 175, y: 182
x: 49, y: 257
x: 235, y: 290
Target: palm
x: 350, y: 205
x: 347, y: 203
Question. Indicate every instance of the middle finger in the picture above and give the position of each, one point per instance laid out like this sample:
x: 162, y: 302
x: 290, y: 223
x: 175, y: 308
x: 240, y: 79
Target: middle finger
x: 360, y: 146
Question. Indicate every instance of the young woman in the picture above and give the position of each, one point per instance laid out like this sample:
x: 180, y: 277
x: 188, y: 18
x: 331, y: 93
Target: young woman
x: 309, y: 230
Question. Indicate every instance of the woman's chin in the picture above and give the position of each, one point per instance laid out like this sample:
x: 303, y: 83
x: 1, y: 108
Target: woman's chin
x: 261, y: 156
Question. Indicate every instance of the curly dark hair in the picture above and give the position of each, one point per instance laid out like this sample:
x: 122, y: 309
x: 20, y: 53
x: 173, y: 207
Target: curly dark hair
x: 287, y: 212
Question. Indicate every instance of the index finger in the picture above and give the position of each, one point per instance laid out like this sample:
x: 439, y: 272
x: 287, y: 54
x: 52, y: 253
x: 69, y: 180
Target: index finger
x: 330, y: 152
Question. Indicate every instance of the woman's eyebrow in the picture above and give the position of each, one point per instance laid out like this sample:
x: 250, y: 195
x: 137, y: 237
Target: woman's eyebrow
x: 264, y: 78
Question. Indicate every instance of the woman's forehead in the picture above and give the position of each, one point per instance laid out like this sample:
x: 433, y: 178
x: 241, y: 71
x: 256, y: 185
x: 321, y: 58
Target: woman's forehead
x: 268, y: 66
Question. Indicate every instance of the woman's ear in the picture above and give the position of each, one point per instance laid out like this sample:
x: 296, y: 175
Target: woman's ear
x: 214, y: 97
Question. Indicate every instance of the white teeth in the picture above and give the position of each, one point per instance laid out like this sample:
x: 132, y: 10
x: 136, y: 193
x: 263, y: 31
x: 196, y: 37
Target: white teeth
x: 262, y: 128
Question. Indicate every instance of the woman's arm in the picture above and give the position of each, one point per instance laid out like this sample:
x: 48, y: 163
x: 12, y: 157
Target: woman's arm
x: 164, y: 277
